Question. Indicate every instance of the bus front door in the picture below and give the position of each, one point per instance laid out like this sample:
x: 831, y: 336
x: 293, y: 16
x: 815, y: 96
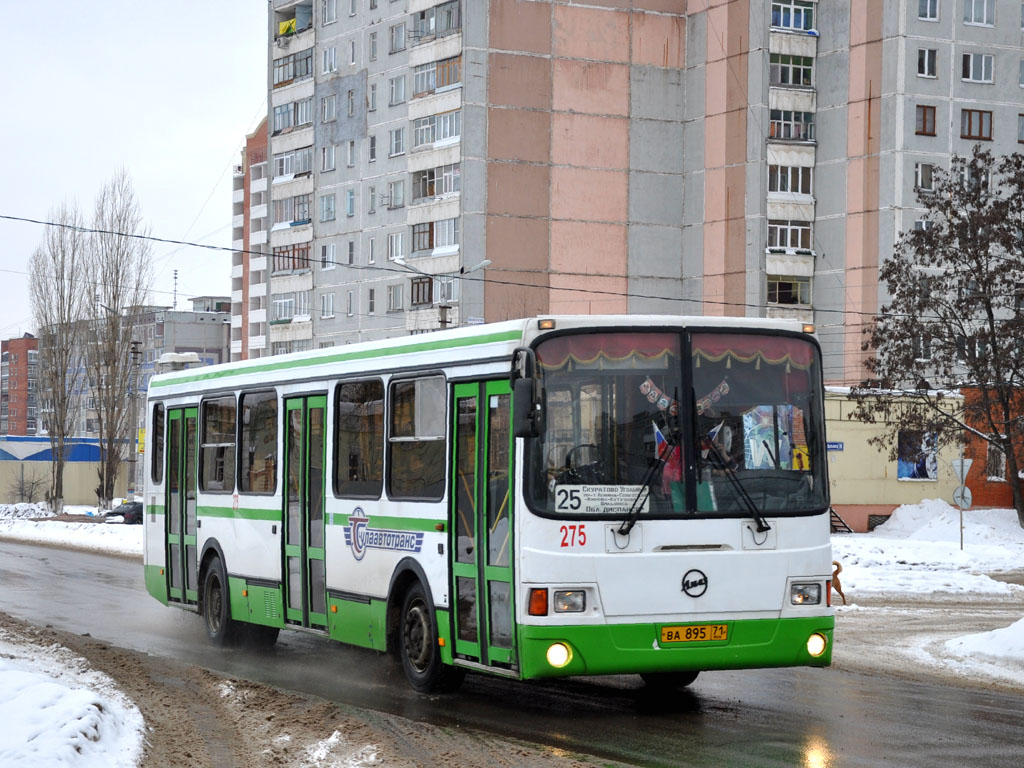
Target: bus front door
x: 305, y: 454
x: 480, y: 519
x: 180, y: 504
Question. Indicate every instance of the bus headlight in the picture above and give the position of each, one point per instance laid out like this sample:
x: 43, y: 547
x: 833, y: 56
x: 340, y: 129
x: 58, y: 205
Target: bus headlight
x: 570, y: 601
x: 805, y: 594
x: 559, y: 654
x: 816, y: 644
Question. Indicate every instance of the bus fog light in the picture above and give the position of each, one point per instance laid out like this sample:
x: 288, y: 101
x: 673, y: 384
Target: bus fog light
x: 816, y: 644
x: 805, y: 594
x: 570, y: 601
x: 559, y: 655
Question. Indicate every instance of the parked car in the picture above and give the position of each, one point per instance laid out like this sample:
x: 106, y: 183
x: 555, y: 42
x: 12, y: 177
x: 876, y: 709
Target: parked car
x: 130, y: 512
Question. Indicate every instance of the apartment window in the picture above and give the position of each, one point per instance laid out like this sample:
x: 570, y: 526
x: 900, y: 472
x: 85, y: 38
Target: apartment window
x: 296, y: 66
x: 293, y: 163
x: 446, y: 288
x: 291, y: 258
x: 327, y: 305
x: 923, y: 225
x: 434, y: 128
x: 350, y: 202
x: 1021, y: 76
x: 292, y: 114
x: 397, y: 38
x: 995, y: 463
x: 371, y: 301
x: 351, y: 153
x: 435, y: 234
x: 436, y: 182
x: 350, y: 303
x: 420, y: 291
x: 395, y: 298
x: 373, y: 46
x: 373, y: 200
x: 396, y: 194
x: 443, y: 19
x: 371, y: 254
x: 975, y: 124
x: 351, y: 99
x: 924, y: 120
x: 924, y: 176
x: 373, y: 149
x: 330, y: 63
x: 784, y: 289
x: 980, y: 12
x: 1020, y: 129
x: 327, y: 256
x: 352, y: 52
x: 351, y: 252
x: 793, y: 14
x: 395, y: 241
x: 784, y: 69
x: 786, y: 233
x: 437, y: 75
x: 351, y: 7
x: 372, y: 106
x: 217, y: 445
x: 786, y: 124
x: 787, y: 178
x: 397, y: 142
x: 327, y: 109
x: 927, y: 62
x: 977, y: 67
x: 294, y: 210
x: 329, y: 11
x: 327, y: 207
x: 397, y: 87
x: 327, y: 158
x: 928, y: 10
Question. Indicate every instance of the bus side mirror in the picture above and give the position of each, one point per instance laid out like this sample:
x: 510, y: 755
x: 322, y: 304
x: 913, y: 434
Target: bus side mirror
x: 526, y: 409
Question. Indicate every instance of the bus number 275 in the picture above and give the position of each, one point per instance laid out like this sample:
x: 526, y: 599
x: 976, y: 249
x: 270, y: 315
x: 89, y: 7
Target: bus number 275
x: 573, y: 535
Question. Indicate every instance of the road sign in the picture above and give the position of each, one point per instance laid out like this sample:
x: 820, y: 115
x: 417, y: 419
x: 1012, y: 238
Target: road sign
x: 962, y: 496
x: 960, y: 468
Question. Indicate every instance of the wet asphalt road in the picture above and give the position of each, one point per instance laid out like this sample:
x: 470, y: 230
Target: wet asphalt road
x: 796, y: 717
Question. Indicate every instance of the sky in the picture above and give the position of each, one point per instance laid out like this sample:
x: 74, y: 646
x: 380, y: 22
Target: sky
x: 167, y: 91
x: 51, y: 698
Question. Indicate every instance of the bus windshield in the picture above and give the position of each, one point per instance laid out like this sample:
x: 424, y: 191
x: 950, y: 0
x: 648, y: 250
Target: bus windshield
x: 631, y: 429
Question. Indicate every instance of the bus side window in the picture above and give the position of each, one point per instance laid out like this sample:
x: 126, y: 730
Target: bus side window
x: 358, y: 439
x: 157, y: 470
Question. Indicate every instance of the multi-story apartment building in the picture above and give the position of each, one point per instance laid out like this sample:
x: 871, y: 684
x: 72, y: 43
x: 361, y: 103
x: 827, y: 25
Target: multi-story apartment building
x: 19, y: 376
x: 250, y: 196
x: 721, y: 157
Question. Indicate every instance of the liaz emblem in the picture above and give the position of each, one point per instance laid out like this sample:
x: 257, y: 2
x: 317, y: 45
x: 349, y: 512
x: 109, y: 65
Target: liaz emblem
x: 360, y: 537
x: 695, y: 583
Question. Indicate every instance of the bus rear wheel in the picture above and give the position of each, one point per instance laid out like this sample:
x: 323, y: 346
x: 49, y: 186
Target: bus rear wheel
x: 220, y: 627
x: 418, y: 648
x: 668, y: 681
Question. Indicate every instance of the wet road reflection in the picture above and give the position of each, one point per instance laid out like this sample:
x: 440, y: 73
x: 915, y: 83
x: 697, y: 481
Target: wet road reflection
x: 803, y: 717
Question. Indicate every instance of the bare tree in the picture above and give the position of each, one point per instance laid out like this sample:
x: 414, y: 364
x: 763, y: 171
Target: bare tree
x: 956, y: 318
x: 58, y: 287
x: 26, y: 489
x: 120, y: 263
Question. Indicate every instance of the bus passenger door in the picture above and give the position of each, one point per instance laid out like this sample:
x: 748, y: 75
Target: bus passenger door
x: 305, y: 455
x: 480, y: 519
x: 180, y: 504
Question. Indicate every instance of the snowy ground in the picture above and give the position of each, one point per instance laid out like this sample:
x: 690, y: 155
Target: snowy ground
x: 57, y: 712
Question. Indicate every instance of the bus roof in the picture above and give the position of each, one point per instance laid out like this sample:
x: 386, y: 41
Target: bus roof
x: 460, y: 345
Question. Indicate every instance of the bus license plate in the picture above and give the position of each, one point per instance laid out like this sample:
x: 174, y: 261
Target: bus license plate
x: 695, y: 633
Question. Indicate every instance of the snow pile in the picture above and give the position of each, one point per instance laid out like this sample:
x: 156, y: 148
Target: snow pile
x: 29, y: 523
x: 918, y: 551
x: 1001, y: 646
x: 58, y: 712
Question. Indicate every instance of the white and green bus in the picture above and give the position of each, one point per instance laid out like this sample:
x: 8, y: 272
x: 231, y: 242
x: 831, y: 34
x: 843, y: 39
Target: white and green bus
x: 565, y: 495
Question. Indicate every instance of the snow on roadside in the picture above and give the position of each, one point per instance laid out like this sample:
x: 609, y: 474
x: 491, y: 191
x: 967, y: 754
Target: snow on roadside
x: 57, y: 711
x: 28, y: 523
x: 918, y: 551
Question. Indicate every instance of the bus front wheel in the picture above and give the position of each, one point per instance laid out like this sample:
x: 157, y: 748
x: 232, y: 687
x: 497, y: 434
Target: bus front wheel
x: 418, y: 648
x: 220, y: 627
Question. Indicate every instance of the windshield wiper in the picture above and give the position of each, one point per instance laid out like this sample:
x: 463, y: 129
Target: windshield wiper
x: 741, y: 491
x: 670, y: 444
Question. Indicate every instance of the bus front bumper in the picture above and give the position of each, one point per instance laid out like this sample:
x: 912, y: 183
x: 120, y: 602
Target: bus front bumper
x: 619, y: 649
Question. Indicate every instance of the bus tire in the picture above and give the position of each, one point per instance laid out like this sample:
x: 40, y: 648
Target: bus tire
x: 221, y: 629
x: 418, y: 648
x: 668, y: 681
